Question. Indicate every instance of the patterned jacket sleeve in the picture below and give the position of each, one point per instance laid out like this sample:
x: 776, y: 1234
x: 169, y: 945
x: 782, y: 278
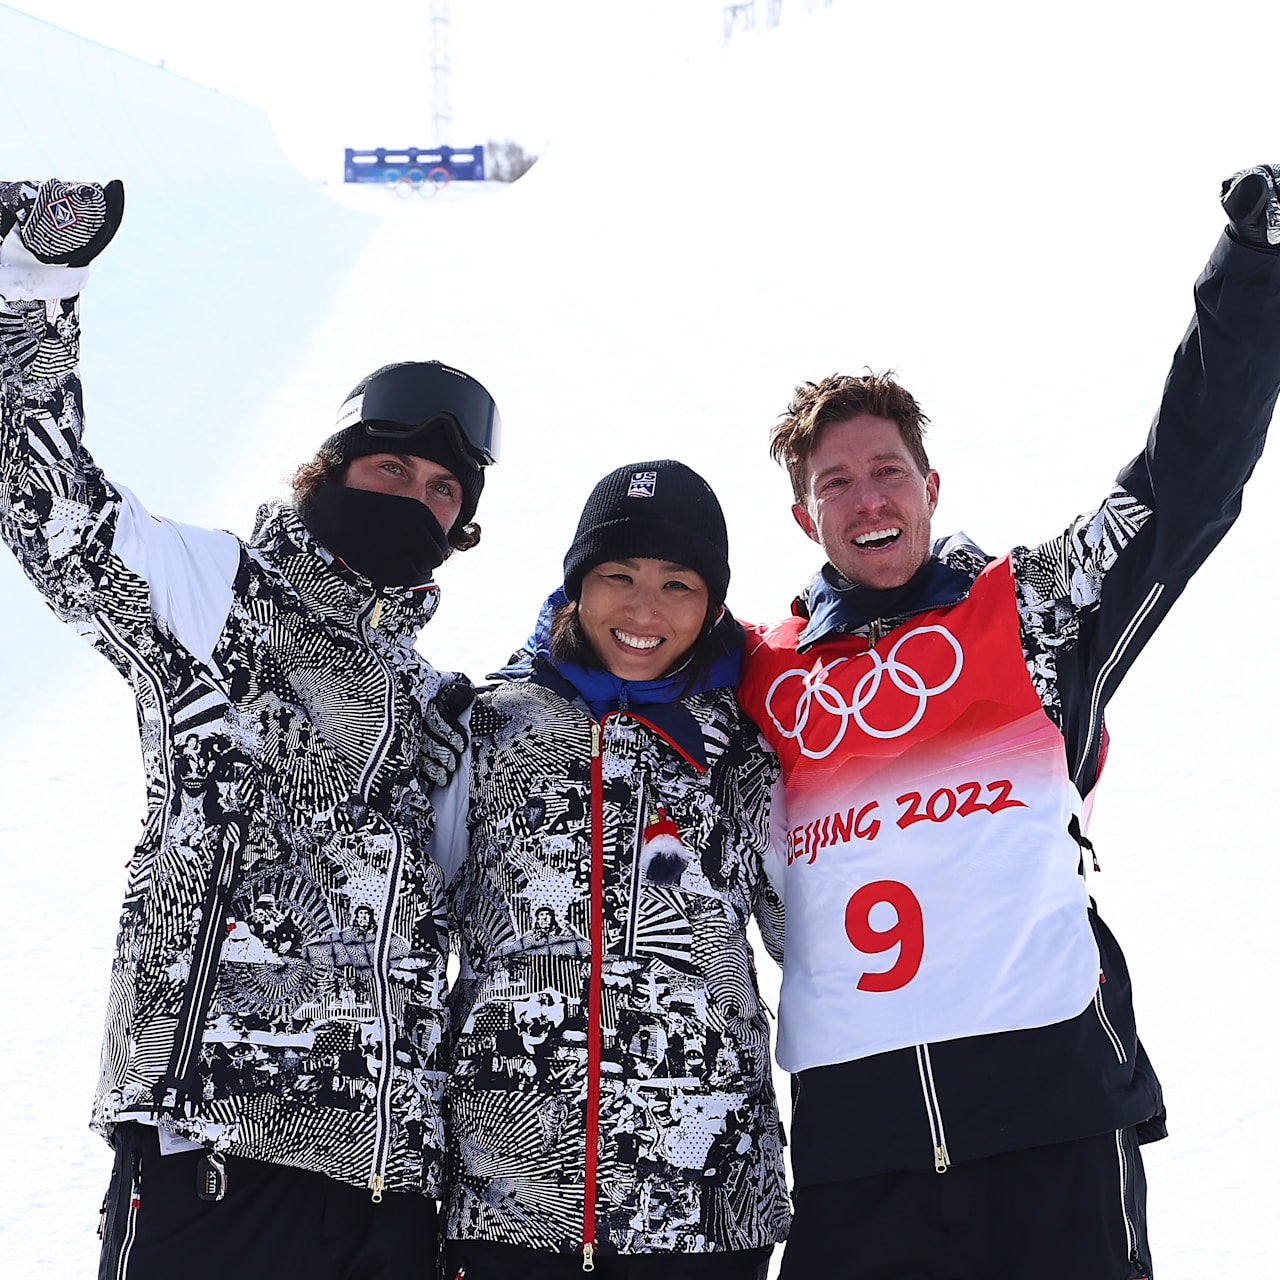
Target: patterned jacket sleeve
x: 1092, y: 597
x: 771, y: 919
x: 102, y: 563
x: 757, y: 779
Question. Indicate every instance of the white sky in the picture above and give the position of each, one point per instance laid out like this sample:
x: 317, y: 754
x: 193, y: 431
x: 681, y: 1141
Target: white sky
x: 364, y: 82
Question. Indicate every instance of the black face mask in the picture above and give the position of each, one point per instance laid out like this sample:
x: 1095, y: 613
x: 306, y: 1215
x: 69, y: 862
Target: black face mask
x: 392, y: 541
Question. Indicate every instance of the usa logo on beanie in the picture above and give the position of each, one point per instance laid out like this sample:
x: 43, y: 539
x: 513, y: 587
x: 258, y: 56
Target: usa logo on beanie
x: 626, y: 517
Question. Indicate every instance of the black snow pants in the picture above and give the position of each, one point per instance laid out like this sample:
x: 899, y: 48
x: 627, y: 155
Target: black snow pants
x: 1070, y: 1211
x: 274, y: 1221
x: 479, y: 1260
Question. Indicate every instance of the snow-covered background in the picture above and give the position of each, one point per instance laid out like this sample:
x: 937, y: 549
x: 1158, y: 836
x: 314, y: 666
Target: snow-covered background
x: 1007, y: 209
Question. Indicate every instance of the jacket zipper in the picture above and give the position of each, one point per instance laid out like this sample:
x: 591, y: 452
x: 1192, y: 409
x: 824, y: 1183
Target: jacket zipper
x: 1130, y: 1233
x: 1108, y: 1030
x: 381, y: 985
x: 209, y: 938
x: 941, y: 1159
x: 1118, y: 651
x: 379, y: 753
x: 382, y: 1100
x: 204, y: 972
x: 595, y: 983
x: 129, y: 1229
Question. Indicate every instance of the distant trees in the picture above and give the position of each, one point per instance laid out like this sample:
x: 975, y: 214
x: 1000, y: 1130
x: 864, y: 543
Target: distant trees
x: 506, y: 161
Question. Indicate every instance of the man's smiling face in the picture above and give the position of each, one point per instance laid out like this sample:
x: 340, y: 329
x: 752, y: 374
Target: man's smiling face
x: 866, y: 503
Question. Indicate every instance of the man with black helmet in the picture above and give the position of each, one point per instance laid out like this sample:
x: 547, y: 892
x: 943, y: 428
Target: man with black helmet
x: 380, y: 448
x: 272, y: 1098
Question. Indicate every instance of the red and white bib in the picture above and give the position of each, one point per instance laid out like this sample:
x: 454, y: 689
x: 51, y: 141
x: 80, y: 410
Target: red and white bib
x: 931, y: 885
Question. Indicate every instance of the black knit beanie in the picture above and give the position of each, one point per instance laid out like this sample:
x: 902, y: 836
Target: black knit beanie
x: 437, y: 441
x: 655, y: 511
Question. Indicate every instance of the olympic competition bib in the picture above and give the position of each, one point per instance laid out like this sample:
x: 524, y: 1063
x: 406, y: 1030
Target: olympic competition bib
x: 932, y: 888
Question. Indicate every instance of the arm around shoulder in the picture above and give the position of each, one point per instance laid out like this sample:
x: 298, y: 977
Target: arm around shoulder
x: 450, y: 839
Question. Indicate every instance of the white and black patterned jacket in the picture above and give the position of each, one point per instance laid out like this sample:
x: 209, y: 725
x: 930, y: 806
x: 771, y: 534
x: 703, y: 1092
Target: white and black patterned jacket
x: 277, y: 990
x: 610, y: 1081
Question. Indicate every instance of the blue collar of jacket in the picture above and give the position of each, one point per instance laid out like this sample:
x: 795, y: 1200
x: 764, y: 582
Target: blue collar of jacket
x: 834, y: 605
x: 659, y: 703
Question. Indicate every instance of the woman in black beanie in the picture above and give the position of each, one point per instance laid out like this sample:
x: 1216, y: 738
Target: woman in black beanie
x: 610, y: 1101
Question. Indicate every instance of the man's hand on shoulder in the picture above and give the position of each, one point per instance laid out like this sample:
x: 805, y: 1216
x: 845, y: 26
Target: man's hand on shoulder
x: 1251, y: 199
x: 444, y: 733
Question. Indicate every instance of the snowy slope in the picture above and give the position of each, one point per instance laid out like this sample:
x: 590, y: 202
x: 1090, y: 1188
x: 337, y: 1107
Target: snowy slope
x: 1011, y: 215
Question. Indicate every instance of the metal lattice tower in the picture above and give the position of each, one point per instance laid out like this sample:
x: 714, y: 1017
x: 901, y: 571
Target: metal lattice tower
x: 441, y: 74
x: 738, y: 15
x: 741, y: 15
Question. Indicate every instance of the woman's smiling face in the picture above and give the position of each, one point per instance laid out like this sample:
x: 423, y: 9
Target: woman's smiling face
x: 641, y: 617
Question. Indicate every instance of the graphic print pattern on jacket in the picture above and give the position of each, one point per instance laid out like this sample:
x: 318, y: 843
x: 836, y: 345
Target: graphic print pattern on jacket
x: 278, y: 985
x: 689, y: 1149
x: 1081, y: 607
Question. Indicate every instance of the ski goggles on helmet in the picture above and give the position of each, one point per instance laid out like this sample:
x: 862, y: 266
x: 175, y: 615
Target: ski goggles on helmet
x: 401, y: 401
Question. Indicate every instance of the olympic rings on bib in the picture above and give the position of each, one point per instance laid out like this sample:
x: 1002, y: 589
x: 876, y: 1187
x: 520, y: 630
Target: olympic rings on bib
x: 815, y: 691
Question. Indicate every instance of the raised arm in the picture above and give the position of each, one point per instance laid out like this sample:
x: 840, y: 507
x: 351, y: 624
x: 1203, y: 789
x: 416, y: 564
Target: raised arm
x: 1115, y: 572
x: 102, y: 563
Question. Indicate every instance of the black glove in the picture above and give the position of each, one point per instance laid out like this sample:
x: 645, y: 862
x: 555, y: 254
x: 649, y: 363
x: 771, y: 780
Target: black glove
x: 1252, y: 201
x: 62, y: 223
x: 443, y: 738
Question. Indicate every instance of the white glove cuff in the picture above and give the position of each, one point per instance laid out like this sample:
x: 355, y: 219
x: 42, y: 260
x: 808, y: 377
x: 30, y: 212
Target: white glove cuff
x: 24, y: 278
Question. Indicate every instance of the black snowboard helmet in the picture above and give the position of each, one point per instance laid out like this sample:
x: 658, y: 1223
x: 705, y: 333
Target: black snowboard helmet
x: 424, y: 408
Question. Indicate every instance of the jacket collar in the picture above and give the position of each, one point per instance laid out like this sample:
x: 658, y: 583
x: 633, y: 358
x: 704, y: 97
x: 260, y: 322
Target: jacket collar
x: 671, y: 720
x: 329, y: 587
x: 663, y: 703
x: 833, y: 605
